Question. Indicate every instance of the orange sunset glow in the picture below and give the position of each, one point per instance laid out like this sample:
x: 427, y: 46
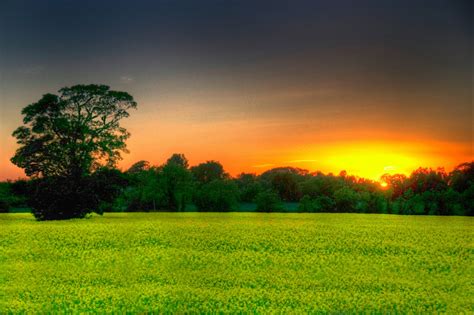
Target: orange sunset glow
x: 360, y: 96
x: 363, y: 159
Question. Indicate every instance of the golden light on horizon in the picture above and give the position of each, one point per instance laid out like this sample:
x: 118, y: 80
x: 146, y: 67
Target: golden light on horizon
x: 371, y: 160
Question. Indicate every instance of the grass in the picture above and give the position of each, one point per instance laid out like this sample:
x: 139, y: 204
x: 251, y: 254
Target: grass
x: 237, y: 262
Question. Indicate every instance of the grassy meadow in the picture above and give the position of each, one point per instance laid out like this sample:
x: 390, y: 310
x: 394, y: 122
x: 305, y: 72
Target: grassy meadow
x: 237, y: 262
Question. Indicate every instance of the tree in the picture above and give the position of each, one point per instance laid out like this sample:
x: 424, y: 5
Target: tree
x: 67, y: 137
x: 73, y: 133
x: 218, y: 195
x: 462, y: 177
x: 287, y: 186
x: 139, y: 167
x: 178, y: 159
x: 426, y: 179
x: 209, y: 171
x: 346, y: 200
x: 6, y: 196
x: 268, y: 201
x: 306, y: 204
x: 248, y: 186
x: 397, y: 184
x: 107, y: 184
x: 144, y: 193
x: 176, y: 183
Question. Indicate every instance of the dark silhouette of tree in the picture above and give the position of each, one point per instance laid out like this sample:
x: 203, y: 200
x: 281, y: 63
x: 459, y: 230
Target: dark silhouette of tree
x: 138, y: 167
x: 178, y: 159
x: 346, y: 200
x: 397, y: 184
x: 268, y: 201
x: 286, y: 185
x: 176, y: 181
x: 209, y: 171
x: 462, y: 177
x: 145, y: 191
x: 285, y: 181
x: 73, y: 133
x: 65, y: 138
x: 107, y: 184
x: 217, y: 195
x: 287, y: 169
x: 426, y: 179
x: 248, y: 186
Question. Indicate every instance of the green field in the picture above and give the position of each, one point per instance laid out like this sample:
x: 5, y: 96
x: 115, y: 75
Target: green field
x: 233, y: 262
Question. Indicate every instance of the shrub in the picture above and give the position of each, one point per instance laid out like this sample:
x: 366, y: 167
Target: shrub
x: 10, y: 197
x: 57, y: 198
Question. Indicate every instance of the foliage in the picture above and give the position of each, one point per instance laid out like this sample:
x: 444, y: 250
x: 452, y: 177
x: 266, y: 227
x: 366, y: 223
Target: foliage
x: 107, y: 184
x: 209, y: 171
x: 73, y: 133
x: 249, y: 186
x: 6, y: 197
x: 145, y: 191
x: 65, y: 139
x: 139, y: 167
x: 218, y: 195
x: 268, y: 201
x: 57, y: 198
x: 285, y: 181
x: 237, y: 263
x: 306, y: 204
x: 175, y: 187
x: 346, y: 200
x: 178, y: 159
x: 177, y: 184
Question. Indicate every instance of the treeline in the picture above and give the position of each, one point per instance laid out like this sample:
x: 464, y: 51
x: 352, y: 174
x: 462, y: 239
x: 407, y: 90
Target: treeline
x: 175, y: 186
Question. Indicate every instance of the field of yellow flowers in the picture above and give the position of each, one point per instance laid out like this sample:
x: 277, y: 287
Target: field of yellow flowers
x: 237, y: 262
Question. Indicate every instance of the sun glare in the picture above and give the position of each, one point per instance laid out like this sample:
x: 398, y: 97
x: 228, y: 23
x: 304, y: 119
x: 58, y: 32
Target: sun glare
x: 369, y: 160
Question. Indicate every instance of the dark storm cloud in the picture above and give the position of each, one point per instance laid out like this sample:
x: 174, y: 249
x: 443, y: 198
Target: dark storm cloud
x: 239, y: 31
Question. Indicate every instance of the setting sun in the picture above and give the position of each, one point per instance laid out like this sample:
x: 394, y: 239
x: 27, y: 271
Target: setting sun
x: 372, y: 159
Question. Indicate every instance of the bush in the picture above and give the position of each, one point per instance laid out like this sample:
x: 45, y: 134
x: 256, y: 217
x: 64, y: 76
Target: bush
x: 58, y: 198
x: 268, y: 201
x: 107, y: 185
x: 9, y: 197
x: 4, y: 206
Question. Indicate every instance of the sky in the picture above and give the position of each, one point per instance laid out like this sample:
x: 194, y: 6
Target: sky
x: 370, y: 87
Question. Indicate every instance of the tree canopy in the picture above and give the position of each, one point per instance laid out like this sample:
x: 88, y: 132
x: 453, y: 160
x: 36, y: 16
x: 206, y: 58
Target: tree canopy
x: 73, y: 133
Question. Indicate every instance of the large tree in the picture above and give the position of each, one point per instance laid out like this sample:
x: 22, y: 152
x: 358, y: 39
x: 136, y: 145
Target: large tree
x: 207, y: 172
x: 66, y: 138
x: 73, y: 133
